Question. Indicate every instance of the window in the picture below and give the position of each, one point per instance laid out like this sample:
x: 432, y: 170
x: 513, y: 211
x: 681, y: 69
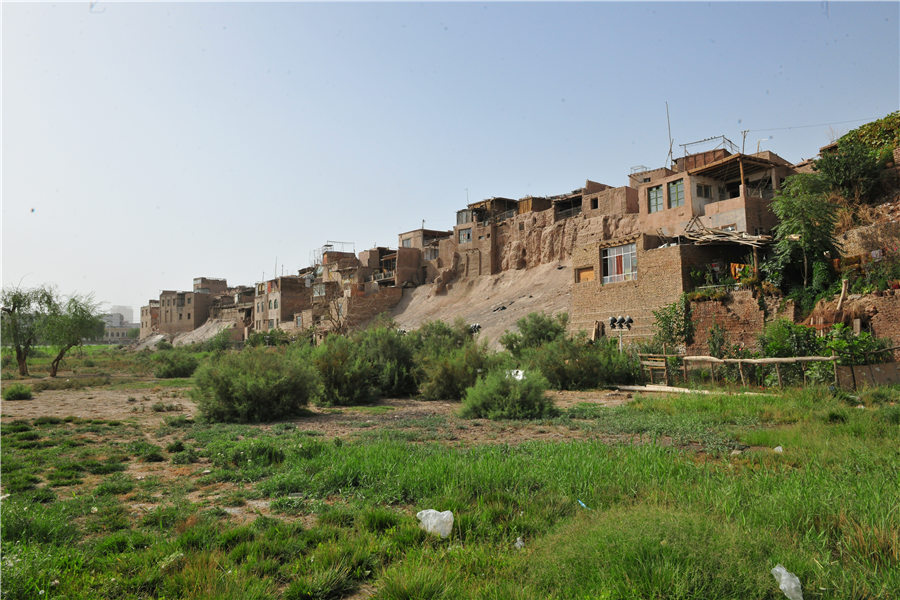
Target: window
x: 276, y: 302
x: 465, y: 236
x: 595, y: 202
x: 431, y: 253
x: 299, y: 320
x: 732, y: 227
x: 318, y: 290
x: 271, y: 323
x: 189, y: 299
x: 407, y: 243
x: 619, y: 263
x: 584, y: 274
x: 676, y: 193
x: 270, y: 304
x: 704, y: 190
x: 655, y: 198
x: 189, y: 315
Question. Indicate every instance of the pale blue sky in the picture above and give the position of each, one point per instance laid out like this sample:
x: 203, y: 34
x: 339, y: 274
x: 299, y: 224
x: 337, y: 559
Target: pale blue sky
x: 145, y: 144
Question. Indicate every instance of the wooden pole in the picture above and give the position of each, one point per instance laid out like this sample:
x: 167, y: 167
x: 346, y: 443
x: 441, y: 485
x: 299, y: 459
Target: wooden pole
x: 803, y: 370
x: 741, y: 369
x: 837, y: 382
x: 684, y: 369
x: 778, y: 372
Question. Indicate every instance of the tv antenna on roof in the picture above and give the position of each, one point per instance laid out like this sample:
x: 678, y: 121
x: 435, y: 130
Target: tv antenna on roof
x: 669, y: 126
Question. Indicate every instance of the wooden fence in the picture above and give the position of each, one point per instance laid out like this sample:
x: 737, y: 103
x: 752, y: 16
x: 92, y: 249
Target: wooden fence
x: 653, y: 364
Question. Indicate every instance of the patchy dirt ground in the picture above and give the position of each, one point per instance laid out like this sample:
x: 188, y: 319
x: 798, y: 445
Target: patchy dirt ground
x: 436, y: 420
x: 414, y: 420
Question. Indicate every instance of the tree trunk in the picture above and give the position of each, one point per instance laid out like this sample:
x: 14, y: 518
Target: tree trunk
x: 23, y: 363
x: 54, y: 365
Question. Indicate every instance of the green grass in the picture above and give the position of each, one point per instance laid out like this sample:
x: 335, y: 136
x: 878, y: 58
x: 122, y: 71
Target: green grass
x: 668, y: 512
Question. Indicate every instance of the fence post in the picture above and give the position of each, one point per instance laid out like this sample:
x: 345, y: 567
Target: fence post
x: 837, y: 382
x: 741, y: 369
x: 778, y: 372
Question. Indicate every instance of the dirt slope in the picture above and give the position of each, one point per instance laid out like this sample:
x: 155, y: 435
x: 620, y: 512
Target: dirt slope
x: 479, y: 299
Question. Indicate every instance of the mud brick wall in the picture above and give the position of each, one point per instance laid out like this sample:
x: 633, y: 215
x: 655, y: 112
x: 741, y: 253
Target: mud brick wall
x: 362, y: 309
x: 885, y: 323
x: 740, y: 316
x: 661, y: 278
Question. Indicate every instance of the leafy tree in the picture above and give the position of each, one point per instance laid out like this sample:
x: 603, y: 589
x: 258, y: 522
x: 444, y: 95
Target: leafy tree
x: 853, y: 170
x: 134, y: 333
x: 535, y: 329
x: 672, y: 323
x: 70, y: 322
x: 806, y: 223
x: 24, y: 315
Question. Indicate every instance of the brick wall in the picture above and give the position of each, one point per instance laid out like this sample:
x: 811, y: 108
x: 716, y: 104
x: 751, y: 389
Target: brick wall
x: 662, y: 276
x: 740, y: 316
x: 885, y: 322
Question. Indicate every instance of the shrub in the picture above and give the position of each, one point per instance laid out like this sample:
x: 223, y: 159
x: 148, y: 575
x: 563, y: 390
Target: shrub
x: 853, y: 170
x: 436, y: 337
x: 573, y: 364
x: 164, y: 345
x: 347, y: 376
x: 785, y: 338
x: 535, y: 329
x: 255, y: 385
x: 500, y: 396
x: 175, y: 363
x: 17, y: 391
x: 672, y: 323
x: 391, y: 353
x: 446, y: 376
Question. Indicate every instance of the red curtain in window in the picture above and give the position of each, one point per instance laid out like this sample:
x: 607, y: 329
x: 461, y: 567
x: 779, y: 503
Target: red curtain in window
x: 619, y: 267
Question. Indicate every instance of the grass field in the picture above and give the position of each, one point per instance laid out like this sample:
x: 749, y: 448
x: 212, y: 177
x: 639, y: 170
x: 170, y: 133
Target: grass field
x: 683, y: 519
x: 657, y: 497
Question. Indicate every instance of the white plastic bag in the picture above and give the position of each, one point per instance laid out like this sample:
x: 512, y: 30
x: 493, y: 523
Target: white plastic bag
x: 788, y: 582
x: 433, y: 521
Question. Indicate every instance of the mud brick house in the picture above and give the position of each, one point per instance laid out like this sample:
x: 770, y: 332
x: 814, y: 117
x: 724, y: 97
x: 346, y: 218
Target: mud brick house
x: 726, y: 191
x: 149, y: 318
x: 180, y: 312
x: 427, y: 242
x: 723, y: 193
x: 278, y: 300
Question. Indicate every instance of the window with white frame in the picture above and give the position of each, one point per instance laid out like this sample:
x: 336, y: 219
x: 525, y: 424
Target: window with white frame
x: 407, y: 243
x: 619, y: 263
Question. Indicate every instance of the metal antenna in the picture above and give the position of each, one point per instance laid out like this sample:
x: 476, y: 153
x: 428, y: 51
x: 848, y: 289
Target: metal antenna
x: 669, y: 125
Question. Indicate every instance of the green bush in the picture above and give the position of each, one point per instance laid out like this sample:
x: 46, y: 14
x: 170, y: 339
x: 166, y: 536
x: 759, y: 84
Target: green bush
x: 535, y: 329
x: 346, y: 374
x: 436, y: 337
x: 853, y: 170
x: 446, y: 376
x: 255, y: 385
x: 785, y: 338
x: 391, y: 353
x: 17, y: 391
x: 175, y: 363
x: 573, y: 364
x: 500, y: 396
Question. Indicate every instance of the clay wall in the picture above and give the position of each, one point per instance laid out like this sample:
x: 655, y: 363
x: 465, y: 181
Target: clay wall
x: 662, y: 276
x: 149, y: 319
x: 740, y: 316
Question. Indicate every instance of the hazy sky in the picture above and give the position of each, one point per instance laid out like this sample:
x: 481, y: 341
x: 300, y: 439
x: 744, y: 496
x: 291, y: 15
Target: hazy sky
x: 146, y: 144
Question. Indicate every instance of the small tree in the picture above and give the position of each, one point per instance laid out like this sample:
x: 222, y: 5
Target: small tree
x: 67, y: 324
x: 805, y: 231
x: 24, y: 314
x: 853, y: 170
